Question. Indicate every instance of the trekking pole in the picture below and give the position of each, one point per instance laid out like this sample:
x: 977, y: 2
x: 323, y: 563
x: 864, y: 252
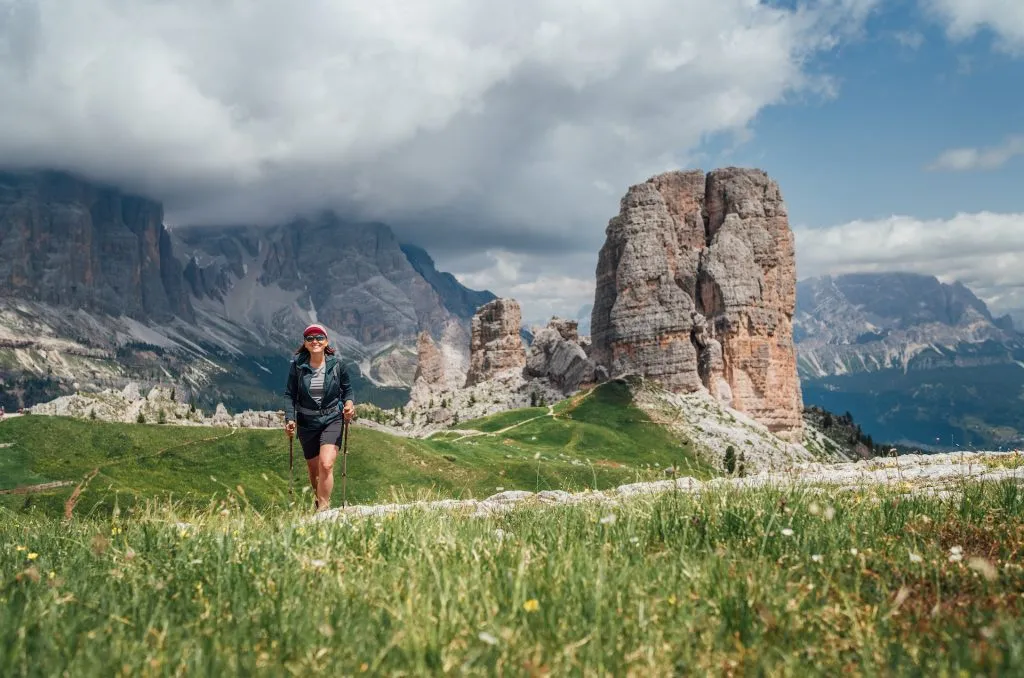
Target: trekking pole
x: 344, y: 467
x: 291, y: 464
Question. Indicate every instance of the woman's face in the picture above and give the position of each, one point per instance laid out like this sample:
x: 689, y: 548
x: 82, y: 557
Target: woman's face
x: 315, y: 343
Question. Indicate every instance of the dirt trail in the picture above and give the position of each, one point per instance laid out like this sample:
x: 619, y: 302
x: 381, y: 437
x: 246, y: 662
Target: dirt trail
x: 41, y: 487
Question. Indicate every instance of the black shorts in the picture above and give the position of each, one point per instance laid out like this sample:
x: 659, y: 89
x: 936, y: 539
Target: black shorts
x: 312, y: 438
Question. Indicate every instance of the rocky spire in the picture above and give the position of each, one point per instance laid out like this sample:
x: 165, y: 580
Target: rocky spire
x: 495, y: 345
x: 696, y: 289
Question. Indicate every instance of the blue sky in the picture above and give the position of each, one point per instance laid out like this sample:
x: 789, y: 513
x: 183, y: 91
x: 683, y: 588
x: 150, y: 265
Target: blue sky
x: 906, y: 94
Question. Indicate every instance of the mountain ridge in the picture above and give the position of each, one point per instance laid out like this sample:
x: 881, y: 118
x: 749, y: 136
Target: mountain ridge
x: 915, y: 360
x: 95, y: 272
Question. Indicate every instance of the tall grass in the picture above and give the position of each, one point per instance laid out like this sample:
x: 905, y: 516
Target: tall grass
x: 733, y: 582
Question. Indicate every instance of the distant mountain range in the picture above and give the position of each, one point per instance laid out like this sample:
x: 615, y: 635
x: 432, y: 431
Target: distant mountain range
x: 915, y: 360
x: 95, y: 291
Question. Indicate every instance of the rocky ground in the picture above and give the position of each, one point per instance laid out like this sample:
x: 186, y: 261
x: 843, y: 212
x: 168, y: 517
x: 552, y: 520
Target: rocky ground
x: 938, y: 474
x: 158, y: 406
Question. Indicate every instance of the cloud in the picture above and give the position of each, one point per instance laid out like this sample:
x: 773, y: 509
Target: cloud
x: 965, y: 18
x: 545, y: 285
x: 460, y: 120
x: 965, y: 159
x: 983, y: 250
x: 909, y: 39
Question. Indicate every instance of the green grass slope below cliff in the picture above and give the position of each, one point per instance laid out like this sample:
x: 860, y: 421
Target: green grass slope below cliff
x: 597, y: 440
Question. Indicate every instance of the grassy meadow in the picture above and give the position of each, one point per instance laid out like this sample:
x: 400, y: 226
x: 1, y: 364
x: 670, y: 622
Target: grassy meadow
x: 726, y: 583
x: 596, y: 441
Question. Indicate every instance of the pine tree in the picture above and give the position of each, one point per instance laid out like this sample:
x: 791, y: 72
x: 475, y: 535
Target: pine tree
x: 730, y: 460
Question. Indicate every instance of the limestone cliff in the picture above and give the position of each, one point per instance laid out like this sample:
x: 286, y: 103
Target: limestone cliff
x: 71, y: 243
x: 557, y: 355
x: 696, y: 289
x: 495, y: 344
x: 429, y: 363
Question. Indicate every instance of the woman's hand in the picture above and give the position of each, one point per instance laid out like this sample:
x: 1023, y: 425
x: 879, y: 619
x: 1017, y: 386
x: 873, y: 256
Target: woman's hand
x: 349, y: 410
x: 289, y: 428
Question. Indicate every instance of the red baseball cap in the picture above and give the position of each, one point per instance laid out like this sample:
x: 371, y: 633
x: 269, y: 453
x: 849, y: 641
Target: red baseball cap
x: 314, y: 329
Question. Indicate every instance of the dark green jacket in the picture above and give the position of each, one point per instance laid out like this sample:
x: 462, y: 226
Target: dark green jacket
x: 337, y: 389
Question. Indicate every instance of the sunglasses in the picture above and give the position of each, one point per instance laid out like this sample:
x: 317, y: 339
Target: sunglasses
x: 316, y: 337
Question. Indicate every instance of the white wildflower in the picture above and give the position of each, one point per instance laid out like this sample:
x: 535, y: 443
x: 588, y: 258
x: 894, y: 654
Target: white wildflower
x: 487, y: 638
x: 609, y: 519
x: 854, y: 552
x: 914, y: 558
x: 786, y: 532
x: 830, y: 513
x: 956, y: 554
x: 814, y: 509
x: 817, y: 558
x: 316, y: 562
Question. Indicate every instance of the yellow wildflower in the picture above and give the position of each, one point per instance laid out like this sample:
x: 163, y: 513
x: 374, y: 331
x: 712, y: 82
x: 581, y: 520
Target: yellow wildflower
x: 531, y: 605
x: 33, y: 556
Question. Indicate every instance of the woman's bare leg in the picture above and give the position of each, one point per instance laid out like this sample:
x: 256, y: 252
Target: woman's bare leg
x: 325, y: 479
x: 313, y: 467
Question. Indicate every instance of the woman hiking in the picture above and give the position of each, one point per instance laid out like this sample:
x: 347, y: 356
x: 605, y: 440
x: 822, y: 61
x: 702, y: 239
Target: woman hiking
x: 318, y: 397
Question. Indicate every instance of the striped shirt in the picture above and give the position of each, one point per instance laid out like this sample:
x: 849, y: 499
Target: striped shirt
x: 316, y: 384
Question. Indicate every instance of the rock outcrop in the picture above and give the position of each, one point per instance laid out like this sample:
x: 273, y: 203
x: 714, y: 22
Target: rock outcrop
x: 696, y: 289
x: 556, y: 355
x: 429, y: 362
x: 159, y: 406
x: 495, y: 344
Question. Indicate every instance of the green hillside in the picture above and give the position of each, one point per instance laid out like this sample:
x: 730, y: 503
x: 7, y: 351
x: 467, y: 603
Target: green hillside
x: 596, y: 440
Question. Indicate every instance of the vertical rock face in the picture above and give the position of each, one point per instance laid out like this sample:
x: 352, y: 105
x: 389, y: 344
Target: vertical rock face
x: 557, y: 355
x: 567, y: 329
x: 696, y: 289
x: 429, y: 362
x: 71, y: 243
x: 495, y: 345
x: 355, y: 275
